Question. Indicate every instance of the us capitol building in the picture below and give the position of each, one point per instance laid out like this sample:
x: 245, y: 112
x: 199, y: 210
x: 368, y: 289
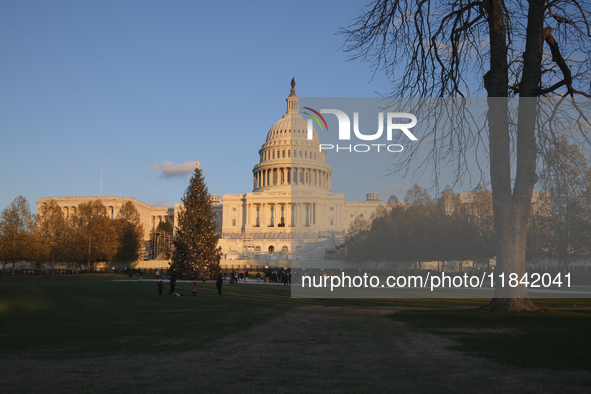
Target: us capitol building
x: 291, y: 213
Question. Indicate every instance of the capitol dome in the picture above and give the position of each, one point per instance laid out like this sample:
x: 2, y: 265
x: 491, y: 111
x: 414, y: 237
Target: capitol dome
x: 288, y: 158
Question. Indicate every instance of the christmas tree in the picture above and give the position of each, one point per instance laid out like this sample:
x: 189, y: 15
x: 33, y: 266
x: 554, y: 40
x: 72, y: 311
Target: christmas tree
x: 196, y: 249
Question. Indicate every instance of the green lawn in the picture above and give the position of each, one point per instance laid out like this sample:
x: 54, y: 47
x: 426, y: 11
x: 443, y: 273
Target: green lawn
x: 84, y: 315
x: 66, y: 316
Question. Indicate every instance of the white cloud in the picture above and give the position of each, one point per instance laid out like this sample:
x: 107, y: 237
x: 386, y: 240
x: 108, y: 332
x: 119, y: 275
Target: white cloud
x: 399, y: 191
x: 159, y: 203
x: 169, y: 170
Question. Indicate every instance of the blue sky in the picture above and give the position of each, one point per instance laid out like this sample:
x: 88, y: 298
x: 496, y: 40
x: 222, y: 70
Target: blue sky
x: 130, y: 85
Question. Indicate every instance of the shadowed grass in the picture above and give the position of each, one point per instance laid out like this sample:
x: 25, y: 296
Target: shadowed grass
x: 67, y: 316
x: 94, y: 315
x: 555, y: 339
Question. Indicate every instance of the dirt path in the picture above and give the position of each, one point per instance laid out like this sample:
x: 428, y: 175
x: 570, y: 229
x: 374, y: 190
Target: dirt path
x: 310, y: 349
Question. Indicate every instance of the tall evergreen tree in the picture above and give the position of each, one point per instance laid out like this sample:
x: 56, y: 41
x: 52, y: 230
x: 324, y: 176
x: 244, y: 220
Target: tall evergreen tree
x: 196, y: 241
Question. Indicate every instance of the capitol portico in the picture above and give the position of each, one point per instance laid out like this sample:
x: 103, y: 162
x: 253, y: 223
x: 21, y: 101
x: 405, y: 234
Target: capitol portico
x: 291, y: 213
x: 292, y: 209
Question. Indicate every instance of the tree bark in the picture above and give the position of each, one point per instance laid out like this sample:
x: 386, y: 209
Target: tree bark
x: 511, y: 208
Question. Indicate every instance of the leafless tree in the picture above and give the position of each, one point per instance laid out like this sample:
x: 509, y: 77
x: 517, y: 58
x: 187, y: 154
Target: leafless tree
x: 527, y: 50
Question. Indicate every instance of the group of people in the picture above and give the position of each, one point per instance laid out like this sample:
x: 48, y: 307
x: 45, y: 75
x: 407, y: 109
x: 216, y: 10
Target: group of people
x: 141, y: 272
x: 235, y: 276
x: 281, y: 276
x: 172, y: 282
x: 172, y: 285
x: 275, y: 276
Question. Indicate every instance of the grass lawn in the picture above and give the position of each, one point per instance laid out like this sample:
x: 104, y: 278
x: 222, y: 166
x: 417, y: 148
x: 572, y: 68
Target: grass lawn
x: 554, y: 339
x: 54, y: 319
x: 70, y: 316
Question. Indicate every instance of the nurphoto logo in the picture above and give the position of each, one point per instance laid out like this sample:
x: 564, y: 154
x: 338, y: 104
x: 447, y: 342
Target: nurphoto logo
x: 345, y: 130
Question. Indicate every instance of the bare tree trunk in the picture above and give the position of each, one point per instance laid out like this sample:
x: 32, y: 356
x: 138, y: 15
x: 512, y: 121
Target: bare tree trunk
x: 511, y: 208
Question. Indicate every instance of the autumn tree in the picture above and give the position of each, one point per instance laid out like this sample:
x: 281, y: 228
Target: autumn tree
x: 564, y: 179
x: 95, y: 236
x: 130, y: 232
x: 445, y: 49
x: 17, y: 230
x: 453, y: 229
x: 425, y: 219
x: 539, y: 231
x: 481, y: 225
x: 196, y: 241
x: 53, y: 234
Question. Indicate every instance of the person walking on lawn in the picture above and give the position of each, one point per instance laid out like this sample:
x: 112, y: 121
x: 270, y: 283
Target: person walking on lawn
x: 172, y: 284
x: 218, y: 283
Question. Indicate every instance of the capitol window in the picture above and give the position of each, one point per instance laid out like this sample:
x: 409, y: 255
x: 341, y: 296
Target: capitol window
x: 272, y: 218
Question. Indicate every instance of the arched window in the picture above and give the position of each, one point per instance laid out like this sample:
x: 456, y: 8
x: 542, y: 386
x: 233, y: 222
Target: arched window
x: 257, y: 248
x: 271, y: 249
x: 284, y: 249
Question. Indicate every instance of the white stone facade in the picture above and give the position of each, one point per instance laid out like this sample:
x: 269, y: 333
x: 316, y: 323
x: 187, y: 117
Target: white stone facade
x: 291, y: 212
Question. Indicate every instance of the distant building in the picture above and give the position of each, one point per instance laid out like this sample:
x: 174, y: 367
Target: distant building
x: 291, y: 210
